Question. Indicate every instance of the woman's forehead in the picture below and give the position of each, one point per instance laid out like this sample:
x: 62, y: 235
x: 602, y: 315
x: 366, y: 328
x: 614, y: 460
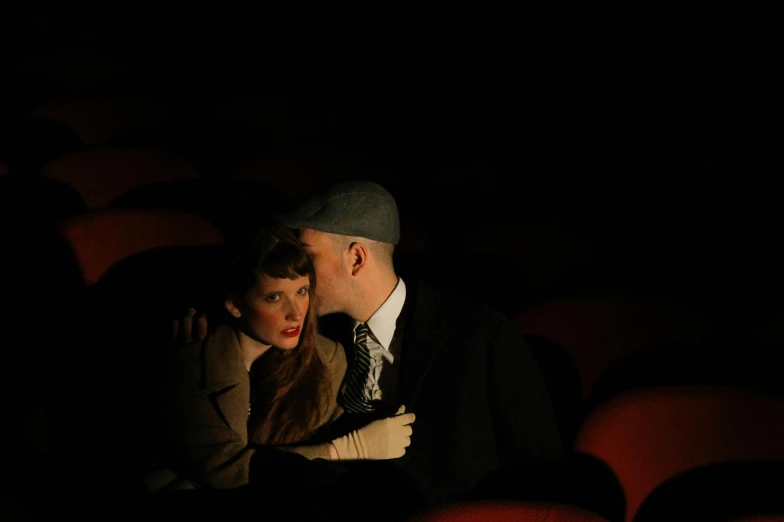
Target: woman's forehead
x: 267, y: 283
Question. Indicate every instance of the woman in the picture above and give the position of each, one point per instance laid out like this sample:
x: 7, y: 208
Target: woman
x: 263, y: 378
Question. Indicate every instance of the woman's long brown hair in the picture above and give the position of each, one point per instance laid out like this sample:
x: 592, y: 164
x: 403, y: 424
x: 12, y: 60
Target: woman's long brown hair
x: 291, y: 386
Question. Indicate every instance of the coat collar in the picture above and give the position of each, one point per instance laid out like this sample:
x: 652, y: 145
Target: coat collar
x: 226, y: 379
x: 223, y: 363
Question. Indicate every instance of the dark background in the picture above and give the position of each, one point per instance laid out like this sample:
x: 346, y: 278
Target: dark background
x: 540, y: 154
x: 639, y: 156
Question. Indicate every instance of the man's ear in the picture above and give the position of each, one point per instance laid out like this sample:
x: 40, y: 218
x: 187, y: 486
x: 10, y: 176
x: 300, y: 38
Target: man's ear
x: 358, y: 256
x: 231, y: 307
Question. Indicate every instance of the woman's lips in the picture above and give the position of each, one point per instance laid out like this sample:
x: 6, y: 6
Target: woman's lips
x: 291, y: 332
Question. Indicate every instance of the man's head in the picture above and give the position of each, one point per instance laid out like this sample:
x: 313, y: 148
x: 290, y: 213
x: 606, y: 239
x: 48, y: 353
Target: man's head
x: 350, y: 232
x: 354, y: 208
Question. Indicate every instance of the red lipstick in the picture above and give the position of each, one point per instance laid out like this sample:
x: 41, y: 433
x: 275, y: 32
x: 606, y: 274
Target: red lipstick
x: 291, y: 333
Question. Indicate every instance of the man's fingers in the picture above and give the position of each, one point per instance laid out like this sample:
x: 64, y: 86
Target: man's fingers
x: 201, y: 327
x: 185, y: 334
x: 187, y: 329
x: 190, y: 326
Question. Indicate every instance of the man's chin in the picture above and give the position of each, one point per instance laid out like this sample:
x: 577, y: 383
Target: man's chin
x: 321, y: 308
x: 321, y: 312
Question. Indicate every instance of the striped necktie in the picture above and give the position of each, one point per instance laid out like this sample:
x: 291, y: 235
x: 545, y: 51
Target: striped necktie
x: 353, y: 399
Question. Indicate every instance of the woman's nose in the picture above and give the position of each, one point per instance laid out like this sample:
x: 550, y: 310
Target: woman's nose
x: 295, y: 310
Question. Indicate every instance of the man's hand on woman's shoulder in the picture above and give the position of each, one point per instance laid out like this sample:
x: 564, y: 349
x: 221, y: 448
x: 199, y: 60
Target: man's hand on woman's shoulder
x: 189, y: 326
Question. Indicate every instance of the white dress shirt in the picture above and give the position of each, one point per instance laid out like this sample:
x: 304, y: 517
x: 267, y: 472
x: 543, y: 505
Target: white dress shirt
x: 382, y: 327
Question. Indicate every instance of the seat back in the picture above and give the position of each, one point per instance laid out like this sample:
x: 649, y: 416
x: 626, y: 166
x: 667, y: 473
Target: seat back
x: 101, y: 239
x: 600, y: 330
x: 138, y: 268
x: 649, y: 435
x: 507, y: 511
x: 102, y: 174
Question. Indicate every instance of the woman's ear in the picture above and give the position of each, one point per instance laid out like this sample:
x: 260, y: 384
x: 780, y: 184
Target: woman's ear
x: 232, y: 308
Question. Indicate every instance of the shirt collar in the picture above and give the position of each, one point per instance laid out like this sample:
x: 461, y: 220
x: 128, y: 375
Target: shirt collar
x: 383, y: 323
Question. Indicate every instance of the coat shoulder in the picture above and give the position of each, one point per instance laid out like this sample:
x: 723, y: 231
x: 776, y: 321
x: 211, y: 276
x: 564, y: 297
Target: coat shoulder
x: 457, y: 312
x: 330, y: 352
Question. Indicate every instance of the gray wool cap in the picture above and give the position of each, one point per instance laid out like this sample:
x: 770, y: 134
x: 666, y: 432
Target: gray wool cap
x: 353, y: 208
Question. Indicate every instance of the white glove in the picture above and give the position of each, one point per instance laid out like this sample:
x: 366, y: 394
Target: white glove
x: 381, y: 439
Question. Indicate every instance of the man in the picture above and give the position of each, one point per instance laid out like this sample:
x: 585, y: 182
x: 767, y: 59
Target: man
x: 462, y: 368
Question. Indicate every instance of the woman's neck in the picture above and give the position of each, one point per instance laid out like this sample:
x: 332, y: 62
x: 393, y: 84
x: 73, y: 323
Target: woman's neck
x: 251, y: 349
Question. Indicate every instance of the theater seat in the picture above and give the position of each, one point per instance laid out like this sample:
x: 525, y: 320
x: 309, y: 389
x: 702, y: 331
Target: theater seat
x: 729, y: 491
x: 650, y: 435
x: 295, y: 176
x: 600, y: 330
x: 98, y: 119
x: 505, y: 511
x: 138, y: 268
x: 102, y: 174
x: 741, y: 362
x: 100, y: 239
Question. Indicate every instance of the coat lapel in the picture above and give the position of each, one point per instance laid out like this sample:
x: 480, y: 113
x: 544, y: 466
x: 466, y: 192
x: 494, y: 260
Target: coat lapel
x: 422, y: 329
x: 423, y: 339
x: 226, y: 379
